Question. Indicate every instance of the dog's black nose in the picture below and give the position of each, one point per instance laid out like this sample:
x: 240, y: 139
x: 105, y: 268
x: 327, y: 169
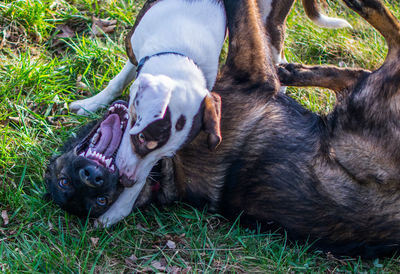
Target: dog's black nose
x: 91, y: 175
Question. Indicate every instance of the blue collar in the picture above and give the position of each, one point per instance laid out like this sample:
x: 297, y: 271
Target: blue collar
x: 146, y: 58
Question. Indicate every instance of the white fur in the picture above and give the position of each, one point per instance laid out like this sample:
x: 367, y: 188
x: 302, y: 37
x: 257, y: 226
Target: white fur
x: 265, y: 8
x: 330, y: 22
x: 195, y: 29
x: 154, y: 95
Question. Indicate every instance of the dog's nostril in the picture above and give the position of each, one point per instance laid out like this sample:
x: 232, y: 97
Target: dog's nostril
x: 98, y: 181
x: 91, y: 176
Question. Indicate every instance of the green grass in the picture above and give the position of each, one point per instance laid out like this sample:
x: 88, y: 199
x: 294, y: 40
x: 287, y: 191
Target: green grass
x: 38, y: 78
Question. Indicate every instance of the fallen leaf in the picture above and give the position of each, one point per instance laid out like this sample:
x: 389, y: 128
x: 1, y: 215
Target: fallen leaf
x: 94, y: 241
x: 4, y: 215
x: 186, y: 270
x: 140, y: 226
x: 171, y: 244
x: 81, y: 85
x: 65, y: 31
x: 174, y: 269
x: 131, y: 260
x: 101, y: 26
x: 159, y: 265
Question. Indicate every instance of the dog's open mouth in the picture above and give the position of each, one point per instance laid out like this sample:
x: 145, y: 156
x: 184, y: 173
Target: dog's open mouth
x: 101, y: 144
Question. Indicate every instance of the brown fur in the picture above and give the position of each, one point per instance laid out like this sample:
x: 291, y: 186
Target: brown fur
x: 333, y: 179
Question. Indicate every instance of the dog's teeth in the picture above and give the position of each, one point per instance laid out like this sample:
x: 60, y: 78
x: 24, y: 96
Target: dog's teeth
x: 126, y: 116
x: 95, y: 138
x: 112, y: 109
x: 112, y: 168
x: 122, y: 126
x: 89, y: 152
x: 82, y: 153
x: 108, y: 162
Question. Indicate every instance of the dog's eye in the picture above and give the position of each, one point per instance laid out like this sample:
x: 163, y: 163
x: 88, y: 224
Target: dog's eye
x: 141, y: 138
x: 63, y: 183
x: 101, y: 201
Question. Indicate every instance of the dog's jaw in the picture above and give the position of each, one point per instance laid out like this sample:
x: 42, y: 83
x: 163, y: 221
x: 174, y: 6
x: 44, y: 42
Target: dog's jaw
x: 135, y: 168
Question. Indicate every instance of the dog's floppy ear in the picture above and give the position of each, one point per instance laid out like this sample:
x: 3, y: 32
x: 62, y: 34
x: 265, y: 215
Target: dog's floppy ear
x: 212, y: 119
x: 151, y: 100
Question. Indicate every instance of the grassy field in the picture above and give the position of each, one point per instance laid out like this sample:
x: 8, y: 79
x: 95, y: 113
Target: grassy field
x: 49, y: 57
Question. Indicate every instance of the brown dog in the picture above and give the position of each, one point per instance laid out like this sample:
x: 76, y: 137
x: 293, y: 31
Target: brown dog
x: 332, y: 179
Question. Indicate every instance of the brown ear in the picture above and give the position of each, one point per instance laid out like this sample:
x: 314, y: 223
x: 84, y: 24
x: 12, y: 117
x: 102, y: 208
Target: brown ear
x: 212, y: 119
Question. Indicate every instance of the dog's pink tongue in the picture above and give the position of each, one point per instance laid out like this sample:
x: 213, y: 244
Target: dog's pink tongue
x: 111, y: 135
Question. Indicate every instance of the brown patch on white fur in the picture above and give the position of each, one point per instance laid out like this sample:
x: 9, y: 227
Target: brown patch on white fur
x: 128, y: 44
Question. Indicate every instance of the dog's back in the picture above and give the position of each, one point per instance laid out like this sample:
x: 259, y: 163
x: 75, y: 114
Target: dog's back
x: 183, y: 26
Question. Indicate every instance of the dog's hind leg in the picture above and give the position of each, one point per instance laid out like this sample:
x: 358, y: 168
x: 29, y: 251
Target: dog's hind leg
x: 274, y: 14
x: 383, y: 20
x: 106, y: 96
x: 331, y: 77
x: 312, y: 10
x: 249, y: 59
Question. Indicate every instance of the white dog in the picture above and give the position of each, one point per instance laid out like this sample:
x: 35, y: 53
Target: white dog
x: 177, y: 43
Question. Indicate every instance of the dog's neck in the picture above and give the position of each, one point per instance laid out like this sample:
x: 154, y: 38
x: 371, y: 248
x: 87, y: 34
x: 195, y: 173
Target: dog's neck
x: 146, y: 58
x: 177, y: 67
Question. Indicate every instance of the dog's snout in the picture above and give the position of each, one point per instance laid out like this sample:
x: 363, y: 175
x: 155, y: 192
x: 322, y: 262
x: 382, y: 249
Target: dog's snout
x: 91, y: 176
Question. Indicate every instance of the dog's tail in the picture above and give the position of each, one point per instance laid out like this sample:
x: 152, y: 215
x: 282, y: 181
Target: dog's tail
x: 312, y: 10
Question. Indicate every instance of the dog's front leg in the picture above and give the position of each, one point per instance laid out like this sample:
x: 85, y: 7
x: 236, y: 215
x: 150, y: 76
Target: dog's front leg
x: 106, y: 96
x: 121, y: 207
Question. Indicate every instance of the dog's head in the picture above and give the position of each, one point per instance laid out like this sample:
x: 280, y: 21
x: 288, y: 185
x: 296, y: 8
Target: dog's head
x: 84, y: 178
x: 165, y: 114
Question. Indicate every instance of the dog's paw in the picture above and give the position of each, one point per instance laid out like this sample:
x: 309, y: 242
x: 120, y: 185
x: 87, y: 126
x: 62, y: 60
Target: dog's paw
x: 288, y: 73
x: 108, y: 219
x: 86, y: 106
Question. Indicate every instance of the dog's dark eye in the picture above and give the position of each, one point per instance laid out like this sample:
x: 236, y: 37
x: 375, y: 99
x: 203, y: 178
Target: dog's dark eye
x: 63, y: 183
x: 141, y: 138
x: 101, y: 201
